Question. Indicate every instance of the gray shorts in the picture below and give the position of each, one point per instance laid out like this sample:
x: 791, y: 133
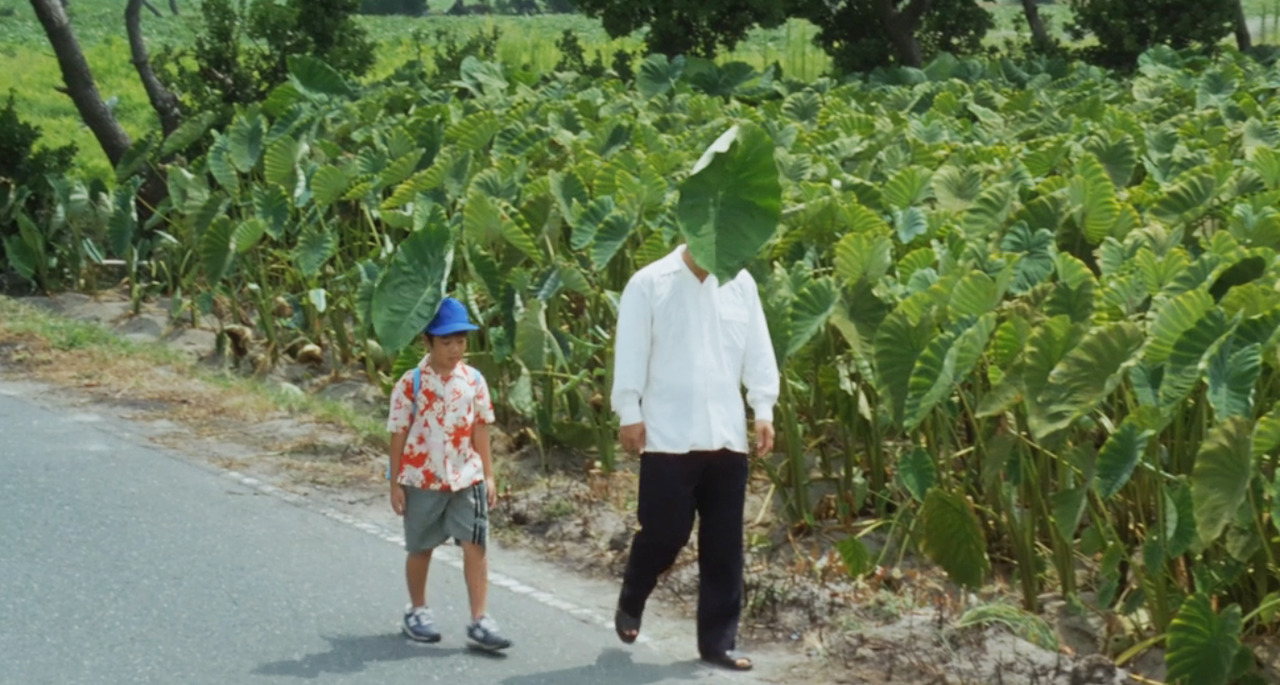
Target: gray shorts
x: 431, y: 517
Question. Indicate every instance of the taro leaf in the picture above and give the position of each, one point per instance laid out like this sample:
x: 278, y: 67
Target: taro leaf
x: 272, y: 206
x: 857, y: 559
x: 216, y: 249
x: 412, y: 286
x: 532, y: 337
x: 610, y: 238
x: 1266, y: 436
x: 729, y: 205
x: 863, y: 257
x: 482, y: 77
x: 810, y: 309
x: 245, y: 140
x: 1068, y: 508
x: 917, y: 472
x: 1086, y: 375
x: 899, y: 342
x: 1036, y: 251
x: 1232, y: 376
x: 313, y: 77
x: 134, y: 158
x: 191, y: 130
x: 1243, y: 271
x: 1093, y: 198
x: 657, y: 75
x: 1024, y: 624
x: 1182, y: 371
x: 588, y: 219
x: 124, y: 217
x: 1220, y: 477
x: 908, y: 187
x: 910, y: 223
x: 975, y: 295
x: 1119, y: 456
x: 282, y: 157
x: 1174, y: 318
x: 1118, y: 156
x: 1202, y: 644
x: 953, y: 538
x: 955, y: 188
x: 315, y: 247
x: 247, y: 234
x: 948, y: 358
x: 219, y: 164
x: 328, y: 185
x: 1188, y: 196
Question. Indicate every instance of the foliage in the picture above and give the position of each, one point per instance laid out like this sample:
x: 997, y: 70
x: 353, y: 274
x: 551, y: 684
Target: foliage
x: 1124, y: 29
x: 241, y: 51
x: 686, y: 27
x: 574, y: 58
x: 412, y: 8
x: 858, y: 37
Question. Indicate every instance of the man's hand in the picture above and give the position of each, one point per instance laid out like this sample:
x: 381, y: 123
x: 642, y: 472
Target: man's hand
x: 632, y: 437
x: 491, y: 490
x: 764, y: 437
x: 397, y: 499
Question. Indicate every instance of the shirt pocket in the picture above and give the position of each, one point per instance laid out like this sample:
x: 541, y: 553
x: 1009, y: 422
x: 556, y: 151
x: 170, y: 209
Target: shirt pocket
x: 734, y: 327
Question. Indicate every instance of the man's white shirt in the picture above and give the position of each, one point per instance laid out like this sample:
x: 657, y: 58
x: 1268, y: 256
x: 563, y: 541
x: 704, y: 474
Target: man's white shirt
x: 684, y: 350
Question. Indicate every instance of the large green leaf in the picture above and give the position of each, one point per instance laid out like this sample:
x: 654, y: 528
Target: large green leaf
x: 1184, y: 367
x: 975, y: 295
x: 1220, y: 477
x: 1093, y: 198
x: 532, y: 336
x: 247, y: 234
x: 315, y: 246
x: 917, y: 472
x: 657, y: 75
x: 245, y: 140
x: 1036, y: 252
x: 311, y: 76
x: 217, y: 250
x: 328, y: 185
x: 123, y: 223
x: 281, y: 159
x: 1202, y: 644
x: 1187, y: 198
x: 411, y: 288
x: 191, y: 130
x: 1172, y: 319
x: 1086, y: 375
x: 1232, y: 375
x: 908, y: 187
x: 953, y: 538
x: 1119, y: 456
x: 956, y: 187
x: 945, y: 361
x: 1266, y: 436
x: 863, y: 257
x: 729, y: 206
x: 899, y: 342
x: 610, y: 238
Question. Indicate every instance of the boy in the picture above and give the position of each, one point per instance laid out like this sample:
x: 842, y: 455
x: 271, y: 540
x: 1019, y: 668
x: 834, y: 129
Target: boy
x: 442, y: 473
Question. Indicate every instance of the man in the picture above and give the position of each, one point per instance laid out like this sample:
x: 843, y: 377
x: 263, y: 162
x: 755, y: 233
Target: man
x: 685, y: 346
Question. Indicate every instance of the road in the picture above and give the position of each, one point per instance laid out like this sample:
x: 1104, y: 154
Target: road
x: 121, y: 563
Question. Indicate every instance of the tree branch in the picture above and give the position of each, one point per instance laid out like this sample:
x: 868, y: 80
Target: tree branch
x: 79, y: 80
x: 162, y: 100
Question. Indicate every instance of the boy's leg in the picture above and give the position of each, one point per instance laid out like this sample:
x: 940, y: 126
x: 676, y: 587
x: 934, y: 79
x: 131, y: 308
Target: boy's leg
x: 475, y: 570
x: 416, y: 565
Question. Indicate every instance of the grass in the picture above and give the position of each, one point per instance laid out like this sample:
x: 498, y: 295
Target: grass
x: 66, y: 350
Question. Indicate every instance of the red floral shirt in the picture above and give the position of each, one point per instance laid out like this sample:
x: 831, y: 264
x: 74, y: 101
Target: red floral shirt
x: 438, y: 454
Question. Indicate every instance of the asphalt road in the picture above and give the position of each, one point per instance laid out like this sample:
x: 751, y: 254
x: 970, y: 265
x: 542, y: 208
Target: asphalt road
x: 120, y: 563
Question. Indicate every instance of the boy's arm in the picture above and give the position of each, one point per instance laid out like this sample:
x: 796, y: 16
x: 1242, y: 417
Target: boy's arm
x: 480, y: 441
x: 397, y: 451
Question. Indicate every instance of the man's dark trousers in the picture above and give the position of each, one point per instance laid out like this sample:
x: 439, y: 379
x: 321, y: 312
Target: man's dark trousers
x: 672, y: 488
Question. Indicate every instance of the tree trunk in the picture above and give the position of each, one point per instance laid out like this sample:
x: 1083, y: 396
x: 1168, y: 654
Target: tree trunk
x: 163, y: 102
x: 173, y: 7
x: 1243, y: 40
x: 900, y: 25
x: 79, y: 80
x: 1039, y: 36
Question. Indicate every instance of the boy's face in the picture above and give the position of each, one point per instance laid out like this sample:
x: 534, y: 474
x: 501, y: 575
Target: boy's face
x: 448, y: 349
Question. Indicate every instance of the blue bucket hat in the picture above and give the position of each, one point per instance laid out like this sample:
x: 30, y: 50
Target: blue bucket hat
x: 450, y: 318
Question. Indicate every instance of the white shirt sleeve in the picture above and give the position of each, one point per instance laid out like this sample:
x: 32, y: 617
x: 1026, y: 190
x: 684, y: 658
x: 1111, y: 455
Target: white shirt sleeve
x: 760, y: 368
x: 631, y: 352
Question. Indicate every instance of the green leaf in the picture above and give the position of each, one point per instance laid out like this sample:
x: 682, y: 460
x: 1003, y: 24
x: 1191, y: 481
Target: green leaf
x: 245, y: 140
x: 1036, y: 251
x: 953, y: 538
x: 532, y: 337
x: 1087, y: 375
x: 133, y: 158
x: 1068, y: 508
x: 412, y: 286
x: 1093, y: 198
x: 1174, y: 318
x: 282, y: 157
x: 857, y: 559
x: 899, y: 342
x: 908, y: 187
x: 946, y: 360
x: 272, y: 206
x: 219, y: 163
x: 917, y: 472
x: 315, y: 247
x: 191, y: 130
x: 1185, y: 199
x: 975, y: 295
x: 482, y: 77
x: 1266, y: 436
x: 955, y: 188
x: 328, y: 185
x: 657, y: 75
x: 1119, y: 456
x: 910, y: 224
x: 313, y: 77
x: 1232, y: 375
x: 812, y: 306
x: 1024, y: 624
x: 124, y: 217
x: 863, y: 257
x: 1220, y: 477
x: 247, y: 234
x: 216, y: 251
x: 610, y: 238
x: 1202, y: 644
x: 729, y: 206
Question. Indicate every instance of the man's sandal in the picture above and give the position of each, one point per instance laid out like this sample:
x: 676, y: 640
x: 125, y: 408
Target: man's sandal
x: 626, y: 625
x: 730, y: 660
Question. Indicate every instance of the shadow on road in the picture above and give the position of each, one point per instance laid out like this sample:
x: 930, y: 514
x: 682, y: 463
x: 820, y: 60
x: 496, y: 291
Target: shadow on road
x: 613, y: 666
x: 351, y: 653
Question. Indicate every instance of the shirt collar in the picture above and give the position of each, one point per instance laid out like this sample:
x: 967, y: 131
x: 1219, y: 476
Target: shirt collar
x: 425, y: 365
